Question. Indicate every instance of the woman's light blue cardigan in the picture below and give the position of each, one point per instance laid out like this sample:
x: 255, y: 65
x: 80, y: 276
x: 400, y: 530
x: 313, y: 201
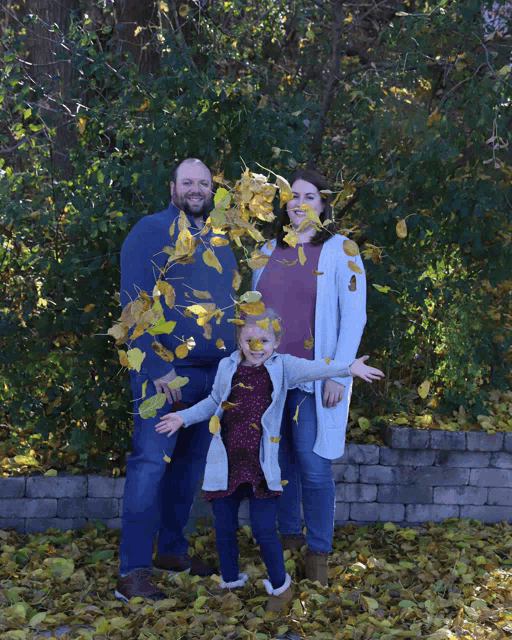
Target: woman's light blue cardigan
x: 340, y: 316
x: 286, y: 372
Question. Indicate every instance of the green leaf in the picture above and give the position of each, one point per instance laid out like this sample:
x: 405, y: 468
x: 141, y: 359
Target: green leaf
x: 135, y: 358
x: 164, y: 327
x: 149, y: 407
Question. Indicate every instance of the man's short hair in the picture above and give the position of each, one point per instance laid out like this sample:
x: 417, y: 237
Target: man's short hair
x: 177, y: 165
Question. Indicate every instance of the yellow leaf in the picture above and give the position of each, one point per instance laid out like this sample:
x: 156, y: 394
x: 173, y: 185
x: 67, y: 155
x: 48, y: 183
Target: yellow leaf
x: 354, y: 267
x: 202, y: 295
x: 82, y: 124
x: 272, y: 439
x: 255, y: 345
x: 285, y: 191
x: 401, y: 229
x: 89, y: 308
x: 291, y: 238
x: 317, y: 273
x: 308, y: 344
x: 237, y: 321
x: 423, y: 389
x: 118, y: 332
x: 162, y: 352
x: 135, y: 358
x: 144, y: 387
x: 210, y: 259
x: 178, y: 382
x: 171, y: 228
x: 144, y: 105
x: 275, y: 325
x: 207, y: 331
x: 353, y: 285
x: 237, y: 280
x: 228, y: 405
x: 253, y: 308
x: 181, y: 351
x: 382, y: 289
x: 256, y: 426
x: 183, y: 222
x: 311, y: 214
x: 296, y: 416
x: 302, y: 255
x: 123, y: 358
x: 288, y: 263
x: 220, y: 344
x: 350, y: 248
x: 257, y: 260
x: 217, y: 241
x: 138, y: 331
x: 284, y: 483
x: 167, y: 459
x: 167, y: 290
x: 214, y: 425
x: 264, y: 324
x: 327, y: 360
x: 50, y: 473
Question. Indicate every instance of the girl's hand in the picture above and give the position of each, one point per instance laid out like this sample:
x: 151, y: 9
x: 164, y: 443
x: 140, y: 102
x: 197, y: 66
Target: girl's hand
x: 170, y: 423
x: 360, y: 370
x: 333, y: 393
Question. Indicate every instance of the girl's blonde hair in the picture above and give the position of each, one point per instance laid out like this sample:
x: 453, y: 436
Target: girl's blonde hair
x: 268, y: 313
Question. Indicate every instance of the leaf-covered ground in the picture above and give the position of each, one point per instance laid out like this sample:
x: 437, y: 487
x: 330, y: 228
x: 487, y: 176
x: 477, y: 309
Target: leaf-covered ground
x: 438, y: 581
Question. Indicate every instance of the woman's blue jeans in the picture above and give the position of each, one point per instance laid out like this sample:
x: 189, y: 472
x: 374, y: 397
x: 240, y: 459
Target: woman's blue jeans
x: 308, y: 475
x: 158, y: 495
x: 263, y: 524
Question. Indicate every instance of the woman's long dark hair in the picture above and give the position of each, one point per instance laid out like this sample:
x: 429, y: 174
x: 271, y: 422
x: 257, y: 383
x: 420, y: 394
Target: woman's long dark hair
x: 308, y: 175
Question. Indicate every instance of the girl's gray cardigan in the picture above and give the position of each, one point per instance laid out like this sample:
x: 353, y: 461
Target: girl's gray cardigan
x: 286, y: 372
x: 340, y: 316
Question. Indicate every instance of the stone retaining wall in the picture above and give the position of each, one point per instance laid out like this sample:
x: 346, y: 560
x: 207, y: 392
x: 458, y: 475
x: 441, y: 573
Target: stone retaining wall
x: 419, y: 476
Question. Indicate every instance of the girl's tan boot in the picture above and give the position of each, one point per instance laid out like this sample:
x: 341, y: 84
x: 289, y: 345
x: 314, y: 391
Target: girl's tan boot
x: 316, y: 568
x: 278, y: 599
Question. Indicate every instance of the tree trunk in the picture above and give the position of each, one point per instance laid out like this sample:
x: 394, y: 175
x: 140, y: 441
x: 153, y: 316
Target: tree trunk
x: 54, y: 74
x: 137, y: 25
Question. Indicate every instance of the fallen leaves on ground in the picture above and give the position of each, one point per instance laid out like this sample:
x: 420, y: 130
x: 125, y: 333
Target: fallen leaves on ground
x: 449, y: 580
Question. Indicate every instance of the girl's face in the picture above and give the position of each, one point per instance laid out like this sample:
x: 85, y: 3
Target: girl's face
x: 257, y: 345
x: 303, y: 193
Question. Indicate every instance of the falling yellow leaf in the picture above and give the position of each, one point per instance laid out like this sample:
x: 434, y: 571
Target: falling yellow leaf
x: 264, y: 324
x: 217, y: 241
x: 255, y: 345
x: 228, y: 405
x: 401, y: 229
x: 237, y: 321
x: 167, y: 459
x: 162, y: 352
x: 135, y: 358
x: 171, y: 228
x: 350, y: 248
x: 308, y: 344
x: 285, y: 191
x: 118, y: 332
x: 244, y: 386
x: 354, y: 267
x: 275, y: 325
x: 257, y: 260
x: 220, y: 344
x: 123, y: 358
x: 311, y: 214
x: 302, y: 255
x: 353, y: 285
x: 327, y: 360
x: 181, y: 351
x: 207, y: 331
x: 144, y: 105
x: 296, y: 415
x: 253, y: 308
x: 284, y: 482
x: 272, y: 439
x: 317, y: 273
x: 210, y: 259
x: 288, y: 263
x: 178, y: 382
x: 423, y: 389
x: 253, y: 424
x: 381, y: 288
x: 202, y: 295
x: 144, y: 387
x: 214, y: 425
x: 89, y: 308
x: 291, y: 238
x: 237, y: 280
x: 82, y: 124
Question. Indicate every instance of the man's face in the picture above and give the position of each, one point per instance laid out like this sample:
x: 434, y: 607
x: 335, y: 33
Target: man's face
x: 192, y: 191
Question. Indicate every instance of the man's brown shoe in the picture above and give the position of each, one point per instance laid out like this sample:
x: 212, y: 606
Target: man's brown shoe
x: 137, y: 584
x: 184, y: 562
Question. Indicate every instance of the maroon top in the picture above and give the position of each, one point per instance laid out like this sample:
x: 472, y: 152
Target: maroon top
x: 291, y: 291
x: 241, y: 439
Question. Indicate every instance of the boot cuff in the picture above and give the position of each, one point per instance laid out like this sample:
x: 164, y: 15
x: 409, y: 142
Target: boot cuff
x: 242, y: 579
x: 277, y: 592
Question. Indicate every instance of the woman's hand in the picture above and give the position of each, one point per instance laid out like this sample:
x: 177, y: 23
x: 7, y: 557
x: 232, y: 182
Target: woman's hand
x: 333, y: 393
x: 360, y: 370
x: 170, y: 423
x: 172, y: 395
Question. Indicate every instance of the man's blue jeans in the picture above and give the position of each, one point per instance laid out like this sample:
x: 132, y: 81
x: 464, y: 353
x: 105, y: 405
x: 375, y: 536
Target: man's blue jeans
x: 307, y: 474
x: 158, y: 495
x: 263, y: 524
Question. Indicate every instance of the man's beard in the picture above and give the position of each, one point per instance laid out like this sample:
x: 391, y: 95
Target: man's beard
x: 205, y: 209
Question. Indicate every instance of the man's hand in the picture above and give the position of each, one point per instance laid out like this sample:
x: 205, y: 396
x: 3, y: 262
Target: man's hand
x: 333, y: 393
x: 169, y: 424
x: 172, y: 395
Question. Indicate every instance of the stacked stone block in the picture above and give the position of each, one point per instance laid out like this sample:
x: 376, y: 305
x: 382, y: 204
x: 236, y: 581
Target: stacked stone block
x: 419, y: 476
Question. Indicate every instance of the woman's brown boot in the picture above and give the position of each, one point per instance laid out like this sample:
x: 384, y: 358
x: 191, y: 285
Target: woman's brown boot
x: 278, y: 599
x: 293, y: 543
x: 316, y: 568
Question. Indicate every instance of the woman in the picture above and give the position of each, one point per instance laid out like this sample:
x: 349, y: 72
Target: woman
x: 322, y: 304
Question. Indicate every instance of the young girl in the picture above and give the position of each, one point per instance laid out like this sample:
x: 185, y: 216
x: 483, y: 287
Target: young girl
x: 248, y: 396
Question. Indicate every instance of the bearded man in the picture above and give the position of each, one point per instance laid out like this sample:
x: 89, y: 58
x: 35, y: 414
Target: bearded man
x: 158, y: 495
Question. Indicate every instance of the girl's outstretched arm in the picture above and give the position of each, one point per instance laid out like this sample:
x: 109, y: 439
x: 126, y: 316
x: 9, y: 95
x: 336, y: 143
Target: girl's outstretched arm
x: 360, y: 370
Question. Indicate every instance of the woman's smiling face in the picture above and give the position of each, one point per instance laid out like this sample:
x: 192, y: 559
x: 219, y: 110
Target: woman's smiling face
x: 257, y: 345
x: 303, y: 193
